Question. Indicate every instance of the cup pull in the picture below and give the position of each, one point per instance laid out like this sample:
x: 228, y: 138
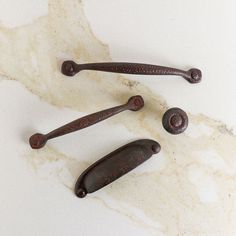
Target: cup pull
x: 70, y: 68
x: 114, y: 165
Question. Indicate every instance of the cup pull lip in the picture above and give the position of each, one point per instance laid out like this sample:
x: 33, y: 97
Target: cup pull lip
x: 114, y: 165
x: 71, y: 68
x: 38, y: 140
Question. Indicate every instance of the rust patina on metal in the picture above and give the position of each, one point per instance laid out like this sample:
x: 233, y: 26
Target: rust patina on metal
x: 175, y: 120
x: 114, y: 165
x: 38, y: 140
x: 70, y: 68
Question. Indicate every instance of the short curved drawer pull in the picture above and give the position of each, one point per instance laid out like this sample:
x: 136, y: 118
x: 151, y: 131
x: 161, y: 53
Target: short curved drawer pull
x: 114, y: 165
x: 70, y: 68
x: 38, y: 140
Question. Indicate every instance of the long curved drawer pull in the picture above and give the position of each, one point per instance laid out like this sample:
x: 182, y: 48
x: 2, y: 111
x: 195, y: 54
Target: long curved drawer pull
x: 70, y: 68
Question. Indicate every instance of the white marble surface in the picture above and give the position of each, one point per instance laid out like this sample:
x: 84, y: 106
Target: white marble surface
x: 187, y: 189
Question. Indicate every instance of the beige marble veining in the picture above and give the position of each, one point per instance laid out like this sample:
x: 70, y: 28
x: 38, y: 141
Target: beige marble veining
x: 174, y: 195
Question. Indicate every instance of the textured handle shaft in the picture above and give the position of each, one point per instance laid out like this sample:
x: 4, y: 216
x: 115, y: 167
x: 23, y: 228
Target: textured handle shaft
x: 86, y: 121
x: 131, y: 68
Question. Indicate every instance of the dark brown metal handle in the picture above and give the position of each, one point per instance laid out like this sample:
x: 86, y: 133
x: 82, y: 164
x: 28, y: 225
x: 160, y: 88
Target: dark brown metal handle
x: 114, y: 165
x: 70, y: 68
x: 38, y: 140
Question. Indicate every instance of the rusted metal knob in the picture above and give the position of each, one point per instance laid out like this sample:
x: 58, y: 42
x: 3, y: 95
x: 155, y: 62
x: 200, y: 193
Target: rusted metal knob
x: 38, y: 140
x: 175, y: 120
x: 70, y: 68
x: 114, y: 165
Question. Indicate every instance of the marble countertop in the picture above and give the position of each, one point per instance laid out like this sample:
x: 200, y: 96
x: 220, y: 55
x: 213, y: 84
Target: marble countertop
x: 189, y: 188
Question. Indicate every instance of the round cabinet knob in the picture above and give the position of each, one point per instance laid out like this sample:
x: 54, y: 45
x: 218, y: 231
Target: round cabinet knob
x: 175, y: 121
